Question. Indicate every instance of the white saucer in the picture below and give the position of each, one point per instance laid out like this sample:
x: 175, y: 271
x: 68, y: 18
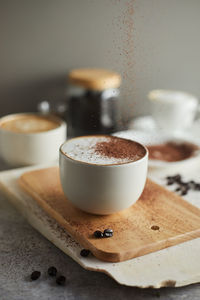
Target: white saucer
x: 147, y: 124
x: 150, y: 138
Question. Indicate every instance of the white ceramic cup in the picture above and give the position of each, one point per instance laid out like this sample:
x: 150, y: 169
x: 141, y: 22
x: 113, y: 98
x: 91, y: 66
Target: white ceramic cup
x: 173, y: 110
x: 20, y: 149
x: 102, y: 189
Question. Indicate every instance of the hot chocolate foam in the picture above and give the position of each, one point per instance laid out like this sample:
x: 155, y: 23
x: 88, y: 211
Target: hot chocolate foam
x: 103, y: 150
x: 29, y: 123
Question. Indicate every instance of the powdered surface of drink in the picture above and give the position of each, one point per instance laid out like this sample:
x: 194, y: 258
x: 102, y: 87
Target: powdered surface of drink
x: 103, y: 150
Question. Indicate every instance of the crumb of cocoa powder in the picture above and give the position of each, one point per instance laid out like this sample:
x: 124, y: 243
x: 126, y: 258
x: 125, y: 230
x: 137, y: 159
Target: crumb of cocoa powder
x: 155, y: 227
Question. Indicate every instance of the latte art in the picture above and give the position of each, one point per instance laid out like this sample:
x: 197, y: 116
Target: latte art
x: 30, y: 123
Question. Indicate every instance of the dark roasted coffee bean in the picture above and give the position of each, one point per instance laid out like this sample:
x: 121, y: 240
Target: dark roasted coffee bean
x: 170, y: 181
x: 108, y: 232
x: 184, y: 192
x: 197, y: 186
x: 52, y: 271
x: 186, y: 187
x: 84, y: 252
x: 98, y: 234
x: 61, y: 280
x: 35, y: 275
x: 191, y: 184
x: 177, y: 178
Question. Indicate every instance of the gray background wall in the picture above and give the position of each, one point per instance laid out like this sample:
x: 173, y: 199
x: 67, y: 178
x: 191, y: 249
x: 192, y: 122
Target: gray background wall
x: 152, y: 43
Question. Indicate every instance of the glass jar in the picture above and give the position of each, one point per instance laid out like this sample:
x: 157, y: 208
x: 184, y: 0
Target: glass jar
x: 92, y: 103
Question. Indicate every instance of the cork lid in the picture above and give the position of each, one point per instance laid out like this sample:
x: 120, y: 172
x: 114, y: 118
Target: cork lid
x: 95, y: 79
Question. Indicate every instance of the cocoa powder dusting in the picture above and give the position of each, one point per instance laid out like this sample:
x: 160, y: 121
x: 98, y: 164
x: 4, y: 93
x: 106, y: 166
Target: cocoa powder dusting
x: 120, y: 148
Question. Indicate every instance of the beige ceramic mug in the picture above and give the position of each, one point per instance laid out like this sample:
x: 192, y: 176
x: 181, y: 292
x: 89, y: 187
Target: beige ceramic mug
x: 101, y: 189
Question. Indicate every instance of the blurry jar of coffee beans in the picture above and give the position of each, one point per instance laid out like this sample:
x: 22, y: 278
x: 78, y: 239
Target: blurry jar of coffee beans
x: 92, y: 102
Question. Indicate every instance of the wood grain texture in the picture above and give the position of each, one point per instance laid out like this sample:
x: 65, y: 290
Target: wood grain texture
x: 178, y: 221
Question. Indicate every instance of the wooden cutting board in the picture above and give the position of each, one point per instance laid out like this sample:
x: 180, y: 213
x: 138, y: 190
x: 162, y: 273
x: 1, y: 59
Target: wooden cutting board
x: 134, y: 236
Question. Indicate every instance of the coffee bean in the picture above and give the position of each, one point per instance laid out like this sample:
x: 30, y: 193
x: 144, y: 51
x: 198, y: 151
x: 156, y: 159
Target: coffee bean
x: 61, y: 280
x: 191, y: 185
x: 35, y: 275
x: 84, y: 252
x: 184, y: 192
x: 173, y: 179
x: 197, y: 186
x: 52, y: 271
x: 186, y: 188
x: 170, y: 182
x: 98, y: 234
x: 184, y: 184
x: 108, y: 232
x: 177, y: 178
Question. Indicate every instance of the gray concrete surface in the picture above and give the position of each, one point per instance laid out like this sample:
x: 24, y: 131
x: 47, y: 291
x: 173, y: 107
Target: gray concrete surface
x: 22, y: 250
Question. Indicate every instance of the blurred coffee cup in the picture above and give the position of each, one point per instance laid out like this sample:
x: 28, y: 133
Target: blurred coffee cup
x: 30, y: 138
x: 173, y: 110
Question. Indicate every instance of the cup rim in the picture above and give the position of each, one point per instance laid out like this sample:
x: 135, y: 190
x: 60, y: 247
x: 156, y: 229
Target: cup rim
x: 103, y: 165
x: 153, y: 95
x: 60, y: 122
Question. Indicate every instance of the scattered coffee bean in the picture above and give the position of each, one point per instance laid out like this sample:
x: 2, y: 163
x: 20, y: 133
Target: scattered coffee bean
x: 61, y: 280
x: 84, y: 252
x: 35, y: 275
x: 183, y: 187
x: 177, y: 178
x: 185, y: 184
x: 108, y: 232
x: 155, y: 227
x: 170, y: 181
x: 197, y: 187
x: 191, y: 184
x: 173, y: 179
x: 183, y: 193
x: 52, y: 271
x: 98, y: 234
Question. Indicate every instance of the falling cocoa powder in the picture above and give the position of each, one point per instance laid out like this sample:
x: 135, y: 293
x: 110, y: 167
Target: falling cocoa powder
x: 122, y: 55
